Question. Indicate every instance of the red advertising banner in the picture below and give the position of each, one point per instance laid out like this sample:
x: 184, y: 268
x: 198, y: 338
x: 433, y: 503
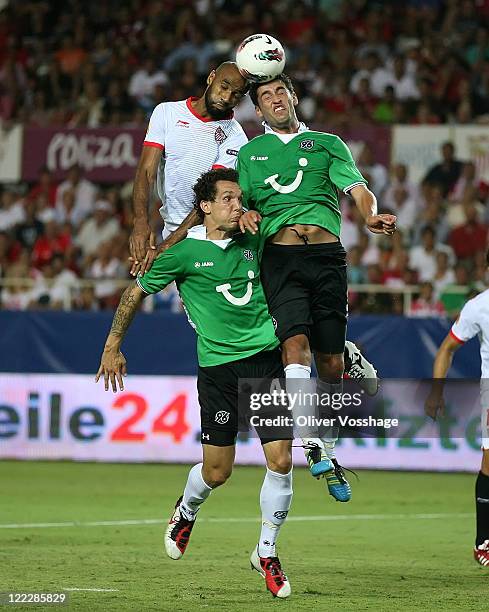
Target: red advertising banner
x: 110, y: 155
x: 106, y: 155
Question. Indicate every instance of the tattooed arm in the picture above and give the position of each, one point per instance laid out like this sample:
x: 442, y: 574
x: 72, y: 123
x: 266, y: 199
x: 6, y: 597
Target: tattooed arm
x: 113, y: 362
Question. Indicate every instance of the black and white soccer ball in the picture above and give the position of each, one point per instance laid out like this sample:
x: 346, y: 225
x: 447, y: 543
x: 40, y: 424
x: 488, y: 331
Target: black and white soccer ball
x: 260, y: 58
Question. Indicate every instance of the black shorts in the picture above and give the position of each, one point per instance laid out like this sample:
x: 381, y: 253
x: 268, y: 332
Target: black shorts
x: 307, y: 293
x: 223, y: 409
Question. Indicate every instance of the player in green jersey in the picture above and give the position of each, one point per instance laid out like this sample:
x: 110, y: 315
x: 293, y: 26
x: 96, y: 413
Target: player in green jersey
x: 289, y: 177
x: 217, y: 271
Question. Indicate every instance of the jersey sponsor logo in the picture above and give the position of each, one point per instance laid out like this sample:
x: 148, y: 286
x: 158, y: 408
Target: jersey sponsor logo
x: 307, y: 144
x: 248, y: 255
x: 205, y: 436
x: 259, y: 157
x: 220, y: 135
x: 222, y: 417
x: 231, y: 152
x: 203, y: 264
x: 272, y: 180
x: 280, y: 514
x: 181, y: 123
x: 237, y: 301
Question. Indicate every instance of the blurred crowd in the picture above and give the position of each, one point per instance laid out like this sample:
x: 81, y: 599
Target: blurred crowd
x: 57, y: 235
x: 354, y: 62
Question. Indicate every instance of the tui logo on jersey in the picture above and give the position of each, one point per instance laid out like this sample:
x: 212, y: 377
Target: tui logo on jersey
x: 237, y: 301
x: 248, y: 255
x: 272, y: 180
x: 307, y: 145
x: 220, y: 135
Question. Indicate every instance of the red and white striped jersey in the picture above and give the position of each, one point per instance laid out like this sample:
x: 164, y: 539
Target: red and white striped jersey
x: 474, y: 321
x: 191, y: 145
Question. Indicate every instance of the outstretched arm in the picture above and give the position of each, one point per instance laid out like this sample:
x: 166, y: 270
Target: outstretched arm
x: 113, y: 363
x: 443, y: 360
x: 367, y: 205
x: 141, y: 233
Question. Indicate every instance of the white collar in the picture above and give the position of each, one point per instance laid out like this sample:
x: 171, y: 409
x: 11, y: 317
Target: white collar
x: 268, y: 130
x: 199, y: 232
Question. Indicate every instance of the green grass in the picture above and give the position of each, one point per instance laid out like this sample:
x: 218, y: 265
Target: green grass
x: 355, y: 564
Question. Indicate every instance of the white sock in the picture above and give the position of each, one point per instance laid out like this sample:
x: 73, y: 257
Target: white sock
x: 195, y: 493
x: 275, y: 499
x: 295, y: 373
x: 329, y: 436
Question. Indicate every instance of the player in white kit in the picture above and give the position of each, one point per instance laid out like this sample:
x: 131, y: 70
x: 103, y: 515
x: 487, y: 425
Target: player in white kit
x: 473, y: 320
x: 184, y: 140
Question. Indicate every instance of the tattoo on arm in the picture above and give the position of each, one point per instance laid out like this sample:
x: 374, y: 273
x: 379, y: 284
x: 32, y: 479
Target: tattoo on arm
x: 130, y: 301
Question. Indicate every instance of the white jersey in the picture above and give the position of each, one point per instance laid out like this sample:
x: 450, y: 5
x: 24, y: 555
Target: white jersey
x: 474, y: 320
x: 191, y: 145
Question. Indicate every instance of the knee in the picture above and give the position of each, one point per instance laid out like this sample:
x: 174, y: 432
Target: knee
x: 282, y: 464
x: 296, y: 350
x: 215, y: 476
x: 330, y: 367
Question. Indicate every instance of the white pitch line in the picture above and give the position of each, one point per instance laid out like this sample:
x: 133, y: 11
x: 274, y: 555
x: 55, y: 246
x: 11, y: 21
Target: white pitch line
x: 94, y: 590
x: 331, y: 517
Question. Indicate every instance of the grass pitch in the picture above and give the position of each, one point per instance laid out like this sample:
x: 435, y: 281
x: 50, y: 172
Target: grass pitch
x: 403, y: 543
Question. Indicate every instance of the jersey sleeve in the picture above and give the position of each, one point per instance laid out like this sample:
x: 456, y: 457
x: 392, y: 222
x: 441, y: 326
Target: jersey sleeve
x: 466, y: 326
x: 155, y: 136
x: 342, y: 170
x: 229, y: 149
x: 166, y: 268
x: 244, y: 181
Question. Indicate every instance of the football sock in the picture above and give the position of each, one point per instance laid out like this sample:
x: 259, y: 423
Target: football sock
x: 195, y: 493
x: 482, y: 508
x: 295, y: 376
x: 275, y: 500
x: 329, y: 435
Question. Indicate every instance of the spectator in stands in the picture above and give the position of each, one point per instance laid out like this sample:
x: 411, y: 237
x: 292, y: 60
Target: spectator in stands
x: 400, y: 178
x: 106, y: 268
x: 396, y: 76
x: 423, y: 257
x: 84, y: 191
x: 470, y: 238
x: 455, y: 295
x: 444, y: 274
x: 404, y: 208
x: 11, y: 210
x: 467, y: 181
x: 101, y: 227
x: 143, y: 82
x: 46, y: 186
x: 447, y: 172
x: 52, y: 241
x: 356, y: 271
x: 375, y: 172
x: 427, y: 304
x: 31, y: 228
x: 384, y: 111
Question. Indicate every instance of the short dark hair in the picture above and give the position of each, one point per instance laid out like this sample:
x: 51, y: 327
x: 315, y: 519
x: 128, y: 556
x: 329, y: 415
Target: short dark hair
x: 281, y: 77
x: 205, y: 188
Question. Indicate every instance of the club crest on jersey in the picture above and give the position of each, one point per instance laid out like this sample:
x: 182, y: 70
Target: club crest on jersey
x: 307, y: 145
x: 248, y: 255
x: 220, y: 135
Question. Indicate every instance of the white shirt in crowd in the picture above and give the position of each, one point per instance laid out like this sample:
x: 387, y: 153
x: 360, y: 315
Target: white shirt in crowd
x: 91, y: 235
x: 192, y: 145
x: 425, y: 263
x: 85, y: 194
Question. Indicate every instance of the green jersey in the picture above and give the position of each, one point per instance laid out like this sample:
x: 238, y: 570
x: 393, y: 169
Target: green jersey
x: 219, y: 282
x: 293, y: 178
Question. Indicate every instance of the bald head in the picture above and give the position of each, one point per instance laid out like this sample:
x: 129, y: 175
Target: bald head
x: 225, y: 88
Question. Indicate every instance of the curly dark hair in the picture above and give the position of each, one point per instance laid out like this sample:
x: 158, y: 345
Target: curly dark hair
x: 205, y: 188
x: 281, y: 77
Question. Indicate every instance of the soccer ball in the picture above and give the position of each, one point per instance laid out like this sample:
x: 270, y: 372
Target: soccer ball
x: 260, y: 58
